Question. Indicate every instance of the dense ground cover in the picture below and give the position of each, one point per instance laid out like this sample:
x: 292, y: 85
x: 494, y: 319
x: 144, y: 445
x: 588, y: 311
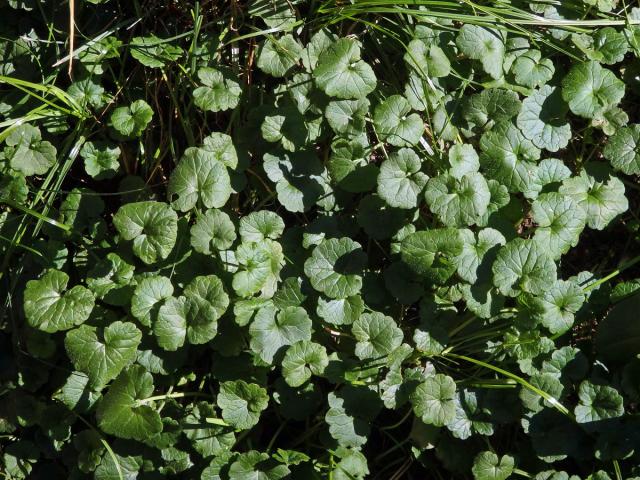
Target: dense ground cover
x: 301, y: 239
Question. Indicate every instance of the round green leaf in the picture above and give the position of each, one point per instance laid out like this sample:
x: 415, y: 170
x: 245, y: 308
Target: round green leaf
x: 110, y: 280
x: 559, y: 305
x: 153, y: 227
x: 491, y: 106
x: 218, y: 93
x: 259, y: 267
x: 303, y: 359
x: 259, y: 225
x: 523, y: 266
x: 341, y: 73
x: 342, y: 311
x: 427, y: 61
x: 531, y: 70
x: 130, y: 122
x: 542, y: 119
x: 271, y: 330
x: 589, y: 89
x: 400, y: 180
x: 347, y: 116
x: 278, y: 55
x: 199, y: 176
x: 478, y: 255
x: 28, y: 154
x: 377, y: 335
x: 50, y: 307
x: 242, y: 403
x: 102, y: 353
x: 458, y: 202
x: 598, y: 402
x: 598, y: 193
x: 623, y: 149
x: 432, y: 252
x: 148, y: 296
x: 463, y: 159
x: 100, y: 159
x: 509, y: 157
x: 488, y: 466
x: 434, y: 400
x: 210, y: 289
x: 335, y: 267
x: 120, y: 412
x: 152, y: 51
x: 560, y: 222
x: 254, y: 465
x: 185, y: 319
x: 395, y: 125
x: 212, y: 232
x: 483, y: 44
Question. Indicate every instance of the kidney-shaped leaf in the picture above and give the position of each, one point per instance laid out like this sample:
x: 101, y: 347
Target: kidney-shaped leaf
x: 183, y: 319
x: 148, y: 297
x: 395, y: 124
x: 28, y: 153
x: 458, y: 202
x: 271, y: 330
x: 377, y: 335
x: 153, y: 227
x: 434, y: 400
x: 589, y: 89
x: 560, y: 222
x: 598, y: 193
x: 219, y: 92
x: 102, y: 353
x: 432, y: 252
x: 130, y: 122
x: 121, y: 413
x: 210, y: 289
x: 199, y: 176
x: 278, y: 55
x: 523, y: 266
x: 400, y: 180
x: 341, y: 73
x: 488, y: 466
x: 483, y: 44
x: 50, y: 307
x: 598, y: 402
x: 303, y: 359
x: 335, y: 267
x: 542, y: 119
x: 531, y: 70
x: 623, y: 150
x: 242, y: 403
x: 212, y: 231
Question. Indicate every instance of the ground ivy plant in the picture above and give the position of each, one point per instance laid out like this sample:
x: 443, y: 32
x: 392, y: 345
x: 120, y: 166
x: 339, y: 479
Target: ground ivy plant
x: 240, y: 244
